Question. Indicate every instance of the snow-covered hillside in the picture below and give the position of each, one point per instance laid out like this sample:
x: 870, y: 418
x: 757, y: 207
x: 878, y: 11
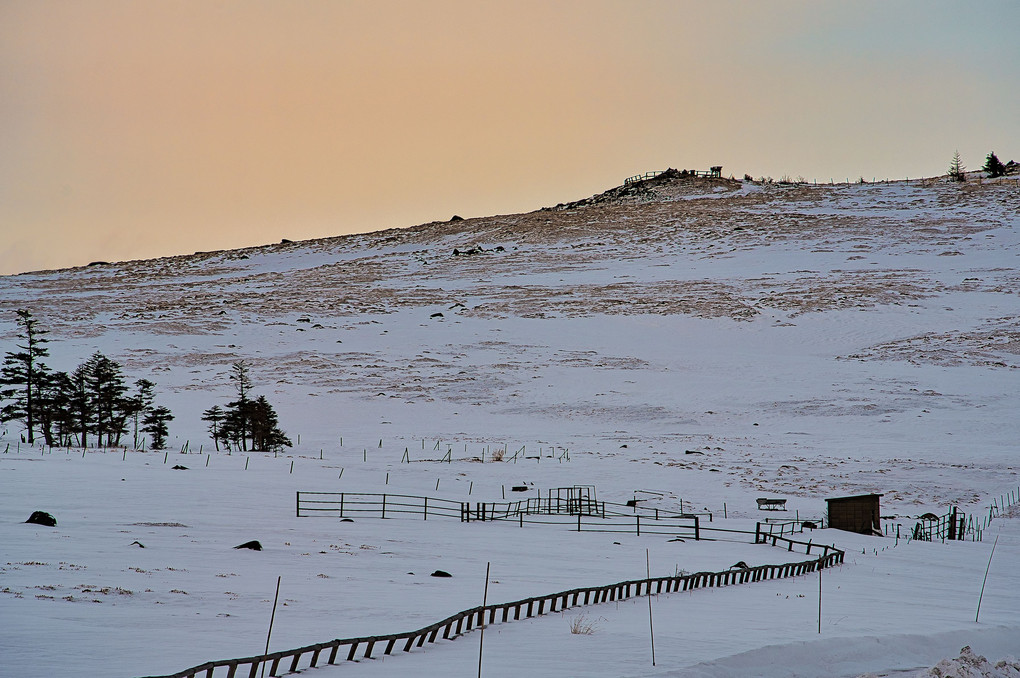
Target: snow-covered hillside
x: 707, y: 340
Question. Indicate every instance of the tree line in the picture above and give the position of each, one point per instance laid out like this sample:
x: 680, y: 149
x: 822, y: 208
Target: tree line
x: 94, y: 403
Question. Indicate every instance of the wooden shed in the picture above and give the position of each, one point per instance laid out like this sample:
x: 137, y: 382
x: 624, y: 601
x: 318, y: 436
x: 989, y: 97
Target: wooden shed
x: 855, y: 514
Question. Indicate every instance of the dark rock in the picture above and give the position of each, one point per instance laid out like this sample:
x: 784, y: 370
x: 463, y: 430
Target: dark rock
x: 693, y: 452
x: 436, y: 315
x: 440, y: 573
x: 928, y: 516
x: 253, y: 545
x: 138, y: 544
x: 456, y: 218
x: 519, y: 488
x: 284, y: 241
x: 807, y: 524
x: 623, y: 447
x: 42, y: 518
x: 739, y: 565
x: 99, y: 263
x: 346, y: 520
x: 500, y: 248
x: 178, y: 467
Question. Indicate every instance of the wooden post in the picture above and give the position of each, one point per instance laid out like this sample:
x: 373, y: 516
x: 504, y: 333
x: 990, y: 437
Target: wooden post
x: 384, y: 506
x: 819, y: 598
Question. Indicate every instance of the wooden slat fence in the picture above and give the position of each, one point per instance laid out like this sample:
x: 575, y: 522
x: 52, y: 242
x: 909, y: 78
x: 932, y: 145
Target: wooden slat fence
x: 352, y: 649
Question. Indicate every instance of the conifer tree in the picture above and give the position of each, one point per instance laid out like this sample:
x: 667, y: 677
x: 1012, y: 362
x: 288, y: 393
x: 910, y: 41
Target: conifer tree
x: 214, y: 415
x: 994, y: 166
x: 155, y: 424
x: 956, y: 169
x: 22, y: 372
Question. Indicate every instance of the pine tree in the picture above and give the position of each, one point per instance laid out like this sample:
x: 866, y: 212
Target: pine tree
x: 106, y: 387
x: 957, y: 172
x: 265, y: 432
x: 994, y: 166
x: 238, y: 411
x: 139, y: 405
x: 245, y: 419
x: 21, y: 374
x: 214, y: 415
x: 155, y: 424
x: 80, y: 404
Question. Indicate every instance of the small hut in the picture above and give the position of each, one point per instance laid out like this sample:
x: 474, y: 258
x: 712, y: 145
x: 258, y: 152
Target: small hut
x: 855, y: 514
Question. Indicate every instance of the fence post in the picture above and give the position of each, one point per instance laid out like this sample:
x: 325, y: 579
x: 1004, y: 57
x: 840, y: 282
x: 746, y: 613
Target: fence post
x: 426, y: 508
x: 341, y: 504
x: 637, y: 519
x: 757, y: 533
x: 384, y: 506
x: 297, y: 508
x: 697, y: 529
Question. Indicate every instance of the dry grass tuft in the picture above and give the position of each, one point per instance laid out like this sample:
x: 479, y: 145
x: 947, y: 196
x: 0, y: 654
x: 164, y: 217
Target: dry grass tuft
x: 583, y: 625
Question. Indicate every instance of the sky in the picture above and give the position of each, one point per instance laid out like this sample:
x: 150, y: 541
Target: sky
x: 132, y: 130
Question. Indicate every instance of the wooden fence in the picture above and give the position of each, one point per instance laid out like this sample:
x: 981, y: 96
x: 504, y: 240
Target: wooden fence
x: 583, y: 515
x: 351, y: 649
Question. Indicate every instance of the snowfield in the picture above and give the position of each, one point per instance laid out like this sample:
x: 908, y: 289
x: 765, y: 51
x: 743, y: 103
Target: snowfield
x: 693, y: 343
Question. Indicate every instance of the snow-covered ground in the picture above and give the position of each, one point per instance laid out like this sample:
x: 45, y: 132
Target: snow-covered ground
x: 808, y: 342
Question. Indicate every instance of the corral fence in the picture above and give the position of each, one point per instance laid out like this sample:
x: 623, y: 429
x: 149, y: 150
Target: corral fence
x: 957, y: 525
x: 351, y: 649
x: 688, y: 173
x: 580, y: 513
x: 953, y: 526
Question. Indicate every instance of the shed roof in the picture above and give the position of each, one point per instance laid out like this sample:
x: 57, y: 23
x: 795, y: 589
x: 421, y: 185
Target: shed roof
x: 859, y: 496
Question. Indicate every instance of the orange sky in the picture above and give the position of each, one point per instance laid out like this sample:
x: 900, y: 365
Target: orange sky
x: 135, y: 129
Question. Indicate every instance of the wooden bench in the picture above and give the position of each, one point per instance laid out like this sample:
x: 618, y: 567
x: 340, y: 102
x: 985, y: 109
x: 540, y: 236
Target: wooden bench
x: 771, y: 504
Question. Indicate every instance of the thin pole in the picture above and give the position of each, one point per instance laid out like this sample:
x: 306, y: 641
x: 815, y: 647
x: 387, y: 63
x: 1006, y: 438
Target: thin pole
x: 819, y: 595
x: 978, y: 613
x: 272, y: 617
x: 481, y: 634
x: 651, y: 632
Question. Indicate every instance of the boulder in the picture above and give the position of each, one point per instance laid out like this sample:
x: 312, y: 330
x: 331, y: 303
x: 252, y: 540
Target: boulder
x: 42, y: 518
x: 254, y: 545
x: 440, y: 573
